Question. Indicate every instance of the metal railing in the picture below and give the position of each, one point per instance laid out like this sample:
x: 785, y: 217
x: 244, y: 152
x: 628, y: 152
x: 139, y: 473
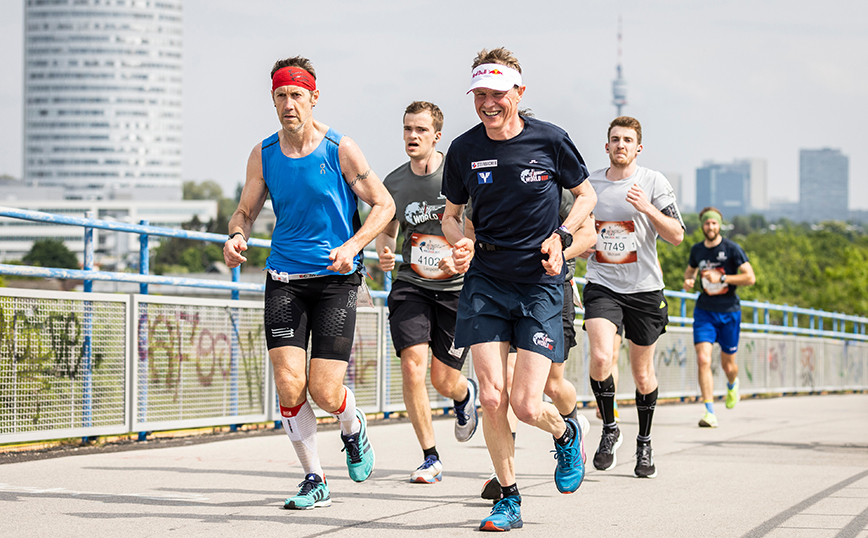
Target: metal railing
x: 87, y: 364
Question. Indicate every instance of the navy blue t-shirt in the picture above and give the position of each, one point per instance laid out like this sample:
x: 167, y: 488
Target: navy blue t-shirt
x: 516, y: 187
x: 725, y: 258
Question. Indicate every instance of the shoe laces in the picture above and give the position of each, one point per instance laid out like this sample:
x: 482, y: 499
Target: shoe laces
x: 462, y: 416
x: 351, y: 446
x: 509, y: 506
x: 608, y: 440
x: 429, y: 461
x: 643, y: 456
x: 566, y: 454
x: 307, y: 485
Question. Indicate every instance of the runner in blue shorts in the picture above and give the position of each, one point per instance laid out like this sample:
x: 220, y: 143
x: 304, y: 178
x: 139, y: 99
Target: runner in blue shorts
x: 514, y: 167
x: 722, y: 266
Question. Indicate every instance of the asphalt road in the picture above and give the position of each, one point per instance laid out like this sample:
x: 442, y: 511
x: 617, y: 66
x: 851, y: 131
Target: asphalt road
x: 779, y: 467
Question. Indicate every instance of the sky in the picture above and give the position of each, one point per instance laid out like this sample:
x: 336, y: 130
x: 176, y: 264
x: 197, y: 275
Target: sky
x: 709, y: 80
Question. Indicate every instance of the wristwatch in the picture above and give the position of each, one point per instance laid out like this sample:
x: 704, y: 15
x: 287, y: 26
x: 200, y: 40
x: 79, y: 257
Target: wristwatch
x: 723, y: 279
x: 236, y: 233
x: 566, y: 237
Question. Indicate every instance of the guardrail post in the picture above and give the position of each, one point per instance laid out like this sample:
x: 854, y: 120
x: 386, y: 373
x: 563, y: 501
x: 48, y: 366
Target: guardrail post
x: 766, y: 316
x: 236, y: 277
x: 87, y: 330
x: 683, y: 309
x: 144, y: 258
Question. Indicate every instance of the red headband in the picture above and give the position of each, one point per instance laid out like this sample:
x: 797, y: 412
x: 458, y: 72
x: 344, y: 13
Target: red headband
x: 293, y: 76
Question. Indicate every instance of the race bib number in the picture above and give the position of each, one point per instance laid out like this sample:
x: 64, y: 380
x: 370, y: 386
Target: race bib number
x: 616, y: 242
x: 713, y: 288
x: 426, y: 251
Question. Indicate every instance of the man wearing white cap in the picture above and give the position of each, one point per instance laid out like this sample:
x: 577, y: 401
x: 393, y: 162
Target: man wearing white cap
x: 514, y: 168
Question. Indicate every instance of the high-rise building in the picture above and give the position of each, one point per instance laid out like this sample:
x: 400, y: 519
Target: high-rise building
x: 102, y: 98
x: 824, y: 178
x: 736, y: 188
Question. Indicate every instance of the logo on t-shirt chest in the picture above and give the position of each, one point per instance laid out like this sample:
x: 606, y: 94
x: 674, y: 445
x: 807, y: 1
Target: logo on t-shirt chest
x: 417, y: 213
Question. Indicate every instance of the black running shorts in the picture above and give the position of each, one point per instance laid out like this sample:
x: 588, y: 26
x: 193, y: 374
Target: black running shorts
x: 644, y: 315
x: 323, y: 307
x: 421, y: 316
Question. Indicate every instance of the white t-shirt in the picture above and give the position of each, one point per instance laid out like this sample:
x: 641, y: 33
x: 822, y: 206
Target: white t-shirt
x: 625, y: 260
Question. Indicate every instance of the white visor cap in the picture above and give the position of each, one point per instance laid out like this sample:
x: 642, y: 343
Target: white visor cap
x: 494, y: 77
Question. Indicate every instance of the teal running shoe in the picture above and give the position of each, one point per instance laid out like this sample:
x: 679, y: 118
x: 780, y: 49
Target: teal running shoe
x: 360, y: 453
x: 505, y: 515
x: 313, y: 493
x: 570, y: 470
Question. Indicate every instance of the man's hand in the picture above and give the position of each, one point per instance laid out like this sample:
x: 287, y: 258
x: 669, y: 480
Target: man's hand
x: 711, y: 276
x: 462, y: 253
x: 387, y: 260
x: 232, y: 250
x: 553, y: 248
x: 447, y: 265
x: 342, y: 259
x: 637, y: 198
x: 588, y: 253
x: 689, y: 283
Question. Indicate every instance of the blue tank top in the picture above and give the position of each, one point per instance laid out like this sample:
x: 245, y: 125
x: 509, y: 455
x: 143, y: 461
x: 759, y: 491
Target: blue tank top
x: 315, y: 209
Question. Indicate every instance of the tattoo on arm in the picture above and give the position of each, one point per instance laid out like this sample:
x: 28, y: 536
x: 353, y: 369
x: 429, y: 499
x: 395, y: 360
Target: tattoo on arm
x: 360, y: 177
x: 671, y: 211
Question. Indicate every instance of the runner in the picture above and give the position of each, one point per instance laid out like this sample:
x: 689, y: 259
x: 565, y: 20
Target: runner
x: 561, y: 391
x: 723, y: 266
x: 424, y: 298
x: 514, y: 168
x: 315, y: 177
x: 625, y: 284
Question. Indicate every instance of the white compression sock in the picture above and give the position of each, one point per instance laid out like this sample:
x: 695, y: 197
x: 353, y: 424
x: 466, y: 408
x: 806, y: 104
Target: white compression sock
x: 299, y: 423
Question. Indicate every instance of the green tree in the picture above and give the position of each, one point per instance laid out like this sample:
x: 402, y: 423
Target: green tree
x: 51, y: 252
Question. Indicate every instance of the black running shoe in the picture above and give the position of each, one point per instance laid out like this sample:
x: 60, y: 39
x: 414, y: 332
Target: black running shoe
x: 605, y: 458
x: 645, y: 462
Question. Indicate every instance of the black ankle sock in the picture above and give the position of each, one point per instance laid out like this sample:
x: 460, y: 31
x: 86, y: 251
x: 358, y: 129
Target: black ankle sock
x: 431, y: 452
x: 573, y: 414
x: 506, y: 491
x: 604, y: 393
x: 567, y: 436
x: 464, y: 401
x: 645, y: 404
x: 513, y: 437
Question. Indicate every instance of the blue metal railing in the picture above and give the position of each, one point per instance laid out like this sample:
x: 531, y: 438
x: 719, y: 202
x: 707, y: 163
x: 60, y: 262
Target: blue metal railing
x: 817, y: 319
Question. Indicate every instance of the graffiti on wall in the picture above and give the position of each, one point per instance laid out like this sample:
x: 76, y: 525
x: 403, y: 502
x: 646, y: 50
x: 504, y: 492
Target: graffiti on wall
x: 180, y: 338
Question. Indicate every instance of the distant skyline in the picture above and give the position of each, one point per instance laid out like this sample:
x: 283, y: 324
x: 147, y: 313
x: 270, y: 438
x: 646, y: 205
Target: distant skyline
x: 709, y: 81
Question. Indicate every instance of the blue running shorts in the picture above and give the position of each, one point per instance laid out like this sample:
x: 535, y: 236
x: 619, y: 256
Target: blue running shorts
x: 526, y: 315
x: 721, y: 327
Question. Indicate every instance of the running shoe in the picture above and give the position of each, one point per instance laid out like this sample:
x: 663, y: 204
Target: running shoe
x: 605, y: 458
x: 570, y: 470
x: 466, y: 416
x: 430, y: 472
x: 360, y: 453
x: 644, y: 462
x: 491, y: 488
x: 732, y: 396
x: 708, y: 420
x: 505, y: 515
x: 313, y: 493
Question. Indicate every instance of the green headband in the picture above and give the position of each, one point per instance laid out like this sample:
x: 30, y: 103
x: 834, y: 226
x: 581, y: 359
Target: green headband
x: 712, y: 215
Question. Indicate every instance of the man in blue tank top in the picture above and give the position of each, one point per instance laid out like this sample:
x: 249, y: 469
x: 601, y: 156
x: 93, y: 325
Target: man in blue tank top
x: 315, y: 177
x: 514, y: 168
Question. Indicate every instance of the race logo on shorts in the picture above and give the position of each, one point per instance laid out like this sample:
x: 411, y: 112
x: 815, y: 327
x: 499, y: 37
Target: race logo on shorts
x: 532, y: 176
x: 543, y: 340
x: 483, y: 164
x: 485, y: 178
x: 282, y: 333
x: 351, y: 299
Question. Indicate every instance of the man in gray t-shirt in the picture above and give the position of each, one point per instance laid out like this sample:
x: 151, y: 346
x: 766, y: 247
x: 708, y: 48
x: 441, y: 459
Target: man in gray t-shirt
x: 424, y: 298
x: 635, y: 205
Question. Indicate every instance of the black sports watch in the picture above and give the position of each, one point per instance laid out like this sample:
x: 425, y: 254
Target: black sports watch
x: 236, y: 233
x: 566, y: 237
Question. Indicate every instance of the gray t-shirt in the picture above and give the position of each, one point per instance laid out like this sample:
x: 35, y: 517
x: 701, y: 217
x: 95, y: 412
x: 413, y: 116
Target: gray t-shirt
x: 567, y: 201
x: 419, y: 207
x: 625, y: 260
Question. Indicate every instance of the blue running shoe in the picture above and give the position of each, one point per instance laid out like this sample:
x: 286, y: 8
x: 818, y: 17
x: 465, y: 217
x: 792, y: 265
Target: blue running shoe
x: 505, y: 515
x: 313, y: 493
x: 570, y: 470
x: 360, y: 453
x: 467, y: 416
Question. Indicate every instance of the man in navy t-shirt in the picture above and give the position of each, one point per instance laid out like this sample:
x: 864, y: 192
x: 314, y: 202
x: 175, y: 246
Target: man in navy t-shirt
x: 722, y: 266
x: 514, y: 168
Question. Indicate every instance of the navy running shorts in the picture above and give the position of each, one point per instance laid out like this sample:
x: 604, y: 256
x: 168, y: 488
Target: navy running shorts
x: 529, y: 316
x: 721, y: 327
